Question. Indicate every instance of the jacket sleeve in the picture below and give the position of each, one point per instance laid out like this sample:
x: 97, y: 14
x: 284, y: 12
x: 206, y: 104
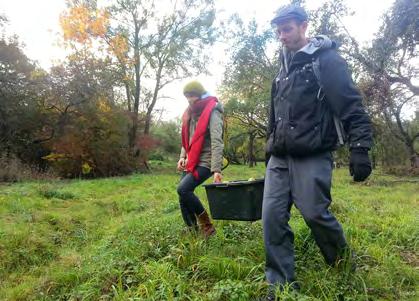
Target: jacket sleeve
x: 271, y: 121
x: 182, y: 153
x: 217, y: 144
x: 344, y: 99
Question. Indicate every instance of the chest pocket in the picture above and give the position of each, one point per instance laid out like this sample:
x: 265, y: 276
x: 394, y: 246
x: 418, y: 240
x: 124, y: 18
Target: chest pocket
x: 306, y: 78
x: 304, y: 103
x: 284, y: 85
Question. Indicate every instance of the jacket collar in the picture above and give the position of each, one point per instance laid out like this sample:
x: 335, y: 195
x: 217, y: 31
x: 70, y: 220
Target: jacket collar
x: 305, y: 54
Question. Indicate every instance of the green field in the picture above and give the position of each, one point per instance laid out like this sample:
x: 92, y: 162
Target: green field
x: 123, y: 239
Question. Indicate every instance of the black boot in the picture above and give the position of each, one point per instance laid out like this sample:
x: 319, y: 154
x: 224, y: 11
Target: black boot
x: 272, y: 289
x: 269, y: 296
x: 346, y: 261
x: 189, y: 218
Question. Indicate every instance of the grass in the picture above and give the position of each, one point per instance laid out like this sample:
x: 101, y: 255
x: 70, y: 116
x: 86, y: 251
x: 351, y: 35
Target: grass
x: 122, y: 239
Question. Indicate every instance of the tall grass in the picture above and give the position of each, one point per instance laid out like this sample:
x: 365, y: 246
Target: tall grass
x: 123, y: 239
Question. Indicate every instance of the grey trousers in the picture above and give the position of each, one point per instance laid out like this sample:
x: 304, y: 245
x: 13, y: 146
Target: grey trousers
x: 304, y: 182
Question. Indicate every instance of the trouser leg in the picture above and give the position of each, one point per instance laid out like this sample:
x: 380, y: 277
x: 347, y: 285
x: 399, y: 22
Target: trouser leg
x: 188, y: 216
x: 310, y: 181
x: 277, y: 234
x: 190, y: 205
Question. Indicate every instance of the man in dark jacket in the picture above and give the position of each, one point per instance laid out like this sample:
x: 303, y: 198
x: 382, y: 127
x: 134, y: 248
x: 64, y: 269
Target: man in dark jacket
x: 302, y: 132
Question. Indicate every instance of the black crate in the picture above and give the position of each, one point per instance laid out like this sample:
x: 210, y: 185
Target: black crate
x: 236, y: 200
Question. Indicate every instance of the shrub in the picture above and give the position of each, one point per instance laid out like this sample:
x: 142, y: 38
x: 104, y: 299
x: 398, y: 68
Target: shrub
x: 402, y: 170
x: 229, y: 290
x: 14, y: 170
x: 95, y: 144
x: 53, y: 193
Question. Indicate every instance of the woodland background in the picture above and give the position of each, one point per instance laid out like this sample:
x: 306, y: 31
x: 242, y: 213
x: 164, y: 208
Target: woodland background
x: 94, y: 114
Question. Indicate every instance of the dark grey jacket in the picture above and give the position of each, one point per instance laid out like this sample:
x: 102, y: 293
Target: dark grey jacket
x: 300, y: 123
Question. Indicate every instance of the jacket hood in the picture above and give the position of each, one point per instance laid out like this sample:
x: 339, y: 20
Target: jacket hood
x: 317, y: 43
x: 219, y: 107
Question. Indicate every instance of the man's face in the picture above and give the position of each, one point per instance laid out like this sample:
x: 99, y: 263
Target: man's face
x: 292, y: 35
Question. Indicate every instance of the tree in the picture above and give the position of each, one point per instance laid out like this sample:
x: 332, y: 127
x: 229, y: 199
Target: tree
x: 177, y: 49
x: 89, y: 128
x: 22, y: 120
x: 150, y: 48
x: 166, y: 132
x: 247, y: 82
x: 390, y: 64
x: 326, y: 20
x: 3, y: 21
x: 236, y: 143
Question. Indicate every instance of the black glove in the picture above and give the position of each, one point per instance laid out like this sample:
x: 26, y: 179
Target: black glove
x: 359, y: 164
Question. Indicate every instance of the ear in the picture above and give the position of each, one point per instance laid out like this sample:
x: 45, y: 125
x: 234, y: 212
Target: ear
x: 304, y: 26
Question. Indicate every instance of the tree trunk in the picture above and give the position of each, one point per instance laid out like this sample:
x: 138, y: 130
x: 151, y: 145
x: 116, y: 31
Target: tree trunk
x: 373, y: 160
x: 127, y: 91
x: 134, y: 128
x: 414, y: 158
x: 414, y: 161
x: 250, y: 154
x: 154, y: 100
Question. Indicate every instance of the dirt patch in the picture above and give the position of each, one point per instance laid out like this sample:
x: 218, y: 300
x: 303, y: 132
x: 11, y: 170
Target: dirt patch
x: 410, y: 257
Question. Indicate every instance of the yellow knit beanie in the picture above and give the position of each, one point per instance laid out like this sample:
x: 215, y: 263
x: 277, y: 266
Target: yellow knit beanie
x: 194, y: 88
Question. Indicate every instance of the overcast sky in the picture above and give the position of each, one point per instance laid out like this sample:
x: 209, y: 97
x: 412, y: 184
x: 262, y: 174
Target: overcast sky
x: 36, y: 24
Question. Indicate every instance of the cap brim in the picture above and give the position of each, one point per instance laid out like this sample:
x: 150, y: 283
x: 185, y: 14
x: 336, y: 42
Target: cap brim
x: 283, y: 19
x: 279, y: 20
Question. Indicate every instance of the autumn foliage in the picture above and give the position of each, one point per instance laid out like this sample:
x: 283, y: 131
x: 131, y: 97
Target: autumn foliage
x: 94, y: 143
x: 80, y: 23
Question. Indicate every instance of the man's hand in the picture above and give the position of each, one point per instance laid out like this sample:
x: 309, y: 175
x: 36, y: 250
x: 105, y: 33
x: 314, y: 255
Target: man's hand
x: 359, y: 164
x: 181, y: 164
x: 218, y: 177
